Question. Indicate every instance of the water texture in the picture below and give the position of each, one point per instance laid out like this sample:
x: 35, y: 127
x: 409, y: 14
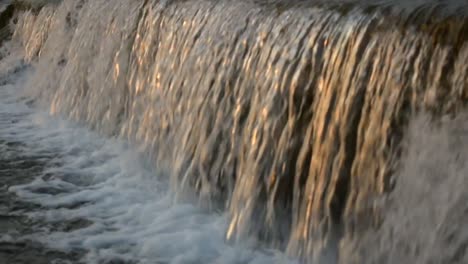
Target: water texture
x: 310, y: 125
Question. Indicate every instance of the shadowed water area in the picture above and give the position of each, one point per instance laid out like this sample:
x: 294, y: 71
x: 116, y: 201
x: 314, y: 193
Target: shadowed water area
x: 17, y: 168
x: 304, y: 122
x: 19, y: 164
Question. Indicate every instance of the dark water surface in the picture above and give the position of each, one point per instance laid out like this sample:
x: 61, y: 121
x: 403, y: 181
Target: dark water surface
x: 18, y: 167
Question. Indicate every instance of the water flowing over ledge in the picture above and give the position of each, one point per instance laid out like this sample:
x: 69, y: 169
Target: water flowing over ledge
x: 290, y: 116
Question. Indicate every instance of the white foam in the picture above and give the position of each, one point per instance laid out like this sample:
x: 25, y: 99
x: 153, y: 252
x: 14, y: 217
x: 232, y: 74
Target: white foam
x: 105, y: 181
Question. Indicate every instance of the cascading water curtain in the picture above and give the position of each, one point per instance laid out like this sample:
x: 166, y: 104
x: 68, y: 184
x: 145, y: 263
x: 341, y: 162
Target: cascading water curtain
x: 290, y: 116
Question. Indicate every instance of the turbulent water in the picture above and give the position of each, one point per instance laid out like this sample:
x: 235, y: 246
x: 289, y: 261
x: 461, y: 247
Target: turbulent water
x: 333, y: 132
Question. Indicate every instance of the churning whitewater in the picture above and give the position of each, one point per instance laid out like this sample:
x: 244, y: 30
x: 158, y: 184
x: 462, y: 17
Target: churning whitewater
x: 118, y: 199
x: 249, y: 131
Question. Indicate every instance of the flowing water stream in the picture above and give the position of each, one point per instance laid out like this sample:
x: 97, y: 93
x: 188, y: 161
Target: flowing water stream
x: 203, y: 131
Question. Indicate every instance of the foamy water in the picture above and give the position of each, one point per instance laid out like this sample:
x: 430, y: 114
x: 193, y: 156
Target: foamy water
x: 111, y: 184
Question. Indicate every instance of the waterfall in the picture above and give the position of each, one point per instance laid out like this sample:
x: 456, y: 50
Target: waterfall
x: 289, y: 115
